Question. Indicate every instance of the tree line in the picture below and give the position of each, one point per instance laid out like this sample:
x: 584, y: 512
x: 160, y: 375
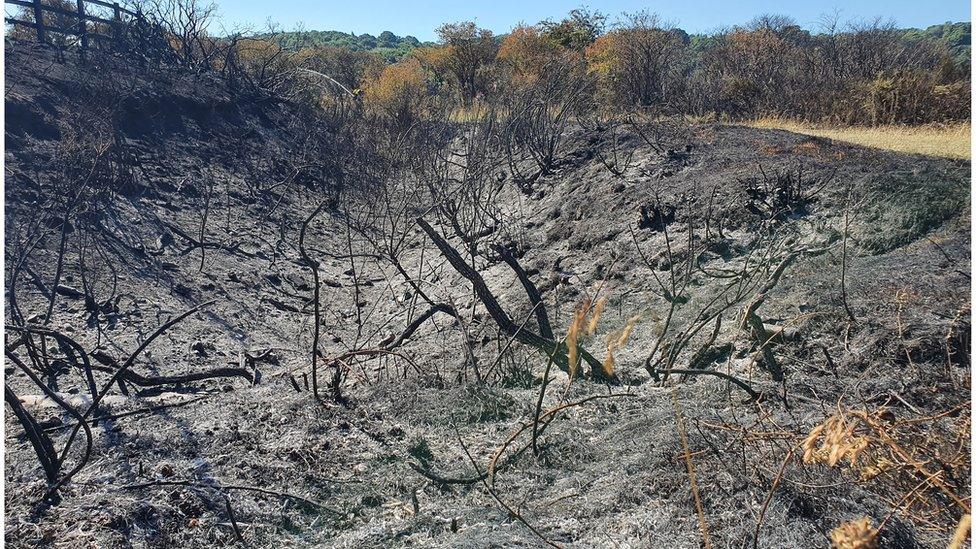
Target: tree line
x: 859, y: 73
x: 388, y: 46
x: 856, y: 73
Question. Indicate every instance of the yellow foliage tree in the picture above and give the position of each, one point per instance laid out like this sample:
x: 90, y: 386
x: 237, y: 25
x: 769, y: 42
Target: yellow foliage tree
x: 463, y: 58
x: 435, y: 59
x: 639, y: 64
x: 604, y: 60
x: 400, y: 92
x: 265, y: 61
x: 524, y: 53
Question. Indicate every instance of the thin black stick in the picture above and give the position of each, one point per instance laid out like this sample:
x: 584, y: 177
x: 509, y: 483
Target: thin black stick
x: 314, y: 266
x: 501, y: 502
x: 128, y: 364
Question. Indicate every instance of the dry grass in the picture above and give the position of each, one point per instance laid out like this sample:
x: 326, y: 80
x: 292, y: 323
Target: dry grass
x: 893, y: 455
x: 952, y: 141
x: 857, y: 534
x: 573, y: 336
x: 962, y: 532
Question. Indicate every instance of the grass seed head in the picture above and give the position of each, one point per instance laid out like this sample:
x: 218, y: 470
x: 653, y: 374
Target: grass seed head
x: 595, y: 319
x: 616, y: 340
x: 962, y: 532
x: 572, y: 336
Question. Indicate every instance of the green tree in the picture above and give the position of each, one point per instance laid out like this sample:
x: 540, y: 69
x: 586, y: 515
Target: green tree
x: 577, y: 31
x: 469, y: 49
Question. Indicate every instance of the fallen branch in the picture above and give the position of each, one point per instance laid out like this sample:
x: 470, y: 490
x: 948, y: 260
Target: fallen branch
x: 128, y: 364
x: 155, y: 381
x: 547, y: 346
x: 145, y: 410
x: 192, y: 484
x: 753, y: 395
x: 417, y: 322
x: 445, y: 480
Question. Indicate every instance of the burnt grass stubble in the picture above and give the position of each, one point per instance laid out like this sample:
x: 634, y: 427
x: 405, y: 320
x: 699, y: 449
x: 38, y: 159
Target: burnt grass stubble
x: 396, y: 461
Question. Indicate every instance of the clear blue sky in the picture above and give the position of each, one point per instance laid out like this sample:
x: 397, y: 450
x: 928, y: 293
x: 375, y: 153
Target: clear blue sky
x: 420, y: 18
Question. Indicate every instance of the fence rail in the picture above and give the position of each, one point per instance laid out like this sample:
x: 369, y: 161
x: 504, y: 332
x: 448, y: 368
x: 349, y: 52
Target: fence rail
x: 80, y: 27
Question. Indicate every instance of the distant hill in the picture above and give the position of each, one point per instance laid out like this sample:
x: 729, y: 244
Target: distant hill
x: 387, y: 45
x: 956, y: 36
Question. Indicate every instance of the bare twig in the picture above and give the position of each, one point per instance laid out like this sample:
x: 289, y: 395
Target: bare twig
x: 703, y: 526
x: 511, y: 511
x: 314, y: 266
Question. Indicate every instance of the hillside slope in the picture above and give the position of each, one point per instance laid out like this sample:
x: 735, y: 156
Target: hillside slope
x: 197, y: 162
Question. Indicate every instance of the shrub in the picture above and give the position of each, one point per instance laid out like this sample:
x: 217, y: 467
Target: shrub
x: 463, y: 59
x: 265, y: 62
x: 400, y: 93
x: 577, y: 31
x: 639, y: 64
x: 524, y: 53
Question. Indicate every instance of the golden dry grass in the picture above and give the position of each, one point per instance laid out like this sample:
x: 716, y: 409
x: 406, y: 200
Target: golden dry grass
x: 857, y: 534
x: 947, y: 141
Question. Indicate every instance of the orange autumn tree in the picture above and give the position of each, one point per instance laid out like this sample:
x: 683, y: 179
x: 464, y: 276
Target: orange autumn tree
x: 400, y: 93
x: 524, y: 53
x: 639, y: 64
x: 603, y: 62
x: 434, y: 59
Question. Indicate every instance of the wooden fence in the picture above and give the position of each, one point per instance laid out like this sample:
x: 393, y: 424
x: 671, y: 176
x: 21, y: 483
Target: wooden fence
x: 80, y: 16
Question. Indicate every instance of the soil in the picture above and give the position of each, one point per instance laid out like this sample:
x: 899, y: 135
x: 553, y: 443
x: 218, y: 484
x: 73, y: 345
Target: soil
x: 611, y: 472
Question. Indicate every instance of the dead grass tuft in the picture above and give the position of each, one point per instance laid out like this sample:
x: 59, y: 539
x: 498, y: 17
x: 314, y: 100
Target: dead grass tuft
x: 616, y: 340
x: 835, y: 440
x: 573, y: 335
x: 918, y: 465
x: 856, y: 534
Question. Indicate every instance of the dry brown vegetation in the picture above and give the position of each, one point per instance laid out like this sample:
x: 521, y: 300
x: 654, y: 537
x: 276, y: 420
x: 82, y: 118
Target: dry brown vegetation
x: 496, y: 293
x: 949, y: 141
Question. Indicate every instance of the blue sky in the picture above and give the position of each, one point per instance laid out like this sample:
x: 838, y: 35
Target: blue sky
x: 420, y: 18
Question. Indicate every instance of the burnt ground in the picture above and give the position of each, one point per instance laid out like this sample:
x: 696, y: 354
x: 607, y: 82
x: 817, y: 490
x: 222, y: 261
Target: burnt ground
x: 609, y: 473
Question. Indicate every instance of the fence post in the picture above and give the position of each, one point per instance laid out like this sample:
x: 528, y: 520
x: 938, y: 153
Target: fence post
x: 142, y: 29
x: 117, y: 26
x: 82, y: 27
x: 39, y: 20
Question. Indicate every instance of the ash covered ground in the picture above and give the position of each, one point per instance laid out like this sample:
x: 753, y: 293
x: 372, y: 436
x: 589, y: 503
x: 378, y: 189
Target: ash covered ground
x: 868, y: 321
